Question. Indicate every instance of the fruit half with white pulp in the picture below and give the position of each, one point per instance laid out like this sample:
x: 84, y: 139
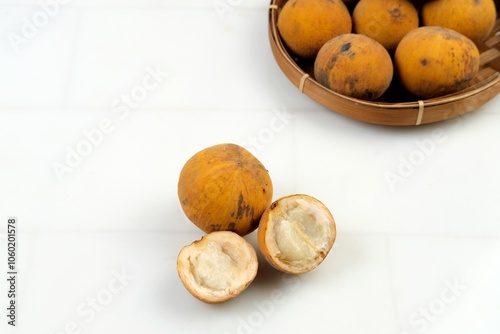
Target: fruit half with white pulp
x: 296, y: 233
x: 218, y: 267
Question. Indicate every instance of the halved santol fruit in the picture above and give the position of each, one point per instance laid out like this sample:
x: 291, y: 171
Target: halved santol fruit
x: 296, y: 233
x: 218, y: 267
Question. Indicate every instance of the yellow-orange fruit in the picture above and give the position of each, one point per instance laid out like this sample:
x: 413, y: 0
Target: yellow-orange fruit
x: 224, y: 188
x: 386, y: 21
x: 434, y: 61
x: 296, y: 233
x: 305, y: 25
x: 218, y: 267
x: 354, y: 65
x: 472, y: 18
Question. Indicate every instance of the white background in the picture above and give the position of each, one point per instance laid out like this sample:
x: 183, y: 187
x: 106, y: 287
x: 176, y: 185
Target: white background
x: 97, y: 242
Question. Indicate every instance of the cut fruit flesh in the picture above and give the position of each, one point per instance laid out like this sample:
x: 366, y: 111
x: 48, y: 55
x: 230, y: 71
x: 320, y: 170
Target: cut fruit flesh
x: 296, y: 233
x: 217, y: 267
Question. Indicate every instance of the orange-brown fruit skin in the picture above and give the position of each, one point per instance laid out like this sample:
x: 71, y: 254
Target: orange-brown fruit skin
x: 224, y: 188
x: 386, y: 21
x: 435, y: 61
x: 472, y: 18
x: 305, y: 25
x: 261, y: 240
x: 354, y: 65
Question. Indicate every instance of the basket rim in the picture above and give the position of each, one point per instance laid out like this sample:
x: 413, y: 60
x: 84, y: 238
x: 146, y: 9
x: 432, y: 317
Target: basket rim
x: 468, y: 92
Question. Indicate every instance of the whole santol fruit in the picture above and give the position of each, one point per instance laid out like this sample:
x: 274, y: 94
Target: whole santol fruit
x: 296, y: 233
x: 434, y: 61
x: 218, y: 267
x: 224, y: 188
x: 472, y: 18
x: 386, y: 21
x: 305, y: 25
x: 354, y: 65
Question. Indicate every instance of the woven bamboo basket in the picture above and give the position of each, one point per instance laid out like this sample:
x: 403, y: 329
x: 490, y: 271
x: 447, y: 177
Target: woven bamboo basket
x: 393, y: 110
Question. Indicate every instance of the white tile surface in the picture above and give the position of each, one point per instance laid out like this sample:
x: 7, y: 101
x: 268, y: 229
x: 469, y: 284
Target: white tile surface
x: 401, y: 247
x: 35, y: 68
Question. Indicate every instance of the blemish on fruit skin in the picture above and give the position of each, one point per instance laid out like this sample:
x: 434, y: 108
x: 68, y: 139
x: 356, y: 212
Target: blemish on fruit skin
x: 322, y: 77
x: 331, y: 63
x: 396, y: 13
x: 423, y: 61
x: 231, y: 227
x: 462, y: 84
x: 345, y: 50
x: 352, y: 82
x: 368, y: 95
x: 447, y: 34
x: 215, y: 227
x: 273, y: 205
x: 243, y: 210
x: 345, y: 47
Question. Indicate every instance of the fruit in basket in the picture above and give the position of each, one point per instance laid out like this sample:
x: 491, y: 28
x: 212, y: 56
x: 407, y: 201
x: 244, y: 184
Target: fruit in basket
x: 472, y: 18
x: 224, y: 188
x: 296, y: 233
x: 218, y: 267
x: 386, y: 21
x: 305, y: 25
x: 435, y: 61
x: 354, y: 65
